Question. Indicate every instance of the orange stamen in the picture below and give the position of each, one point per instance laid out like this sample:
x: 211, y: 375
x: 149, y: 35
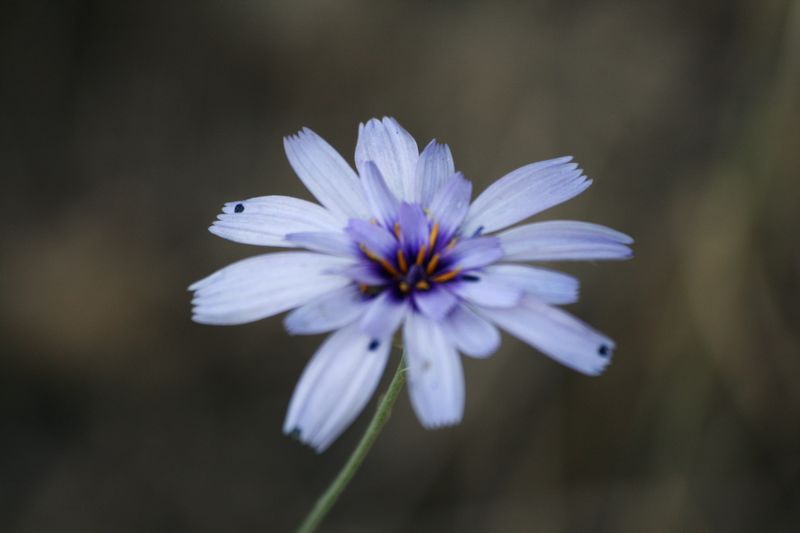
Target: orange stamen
x: 363, y: 287
x: 451, y: 244
x: 404, y: 286
x: 397, y: 232
x: 432, y: 265
x: 380, y: 260
x: 401, y: 260
x: 388, y: 267
x: 422, y: 285
x: 447, y: 276
x: 421, y: 254
x: 433, y: 235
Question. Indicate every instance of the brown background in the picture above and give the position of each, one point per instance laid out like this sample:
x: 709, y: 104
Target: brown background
x: 125, y: 126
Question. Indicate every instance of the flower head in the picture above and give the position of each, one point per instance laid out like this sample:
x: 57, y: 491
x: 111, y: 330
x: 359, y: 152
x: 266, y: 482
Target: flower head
x: 400, y: 246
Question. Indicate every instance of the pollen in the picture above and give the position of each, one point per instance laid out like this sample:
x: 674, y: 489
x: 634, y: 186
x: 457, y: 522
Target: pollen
x: 423, y: 285
x: 433, y: 235
x: 401, y: 261
x: 446, y: 276
x: 421, y: 254
x: 432, y: 264
x: 380, y: 260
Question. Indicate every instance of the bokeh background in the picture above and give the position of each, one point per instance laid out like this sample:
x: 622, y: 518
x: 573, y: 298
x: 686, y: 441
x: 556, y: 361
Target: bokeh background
x: 125, y: 125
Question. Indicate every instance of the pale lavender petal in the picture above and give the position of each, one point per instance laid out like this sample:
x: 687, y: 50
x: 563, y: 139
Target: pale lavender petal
x: 473, y: 335
x: 264, y: 221
x: 335, y: 386
x: 362, y: 273
x: 383, y: 316
x: 450, y: 204
x: 382, y: 202
x: 556, y: 333
x: 434, y: 168
x: 328, y: 242
x: 523, y: 193
x: 413, y: 225
x: 374, y: 237
x: 547, y: 285
x: 326, y: 174
x: 327, y: 312
x: 484, y: 290
x: 393, y: 150
x: 476, y: 253
x: 435, y: 303
x: 263, y: 286
x: 435, y: 376
x: 559, y: 240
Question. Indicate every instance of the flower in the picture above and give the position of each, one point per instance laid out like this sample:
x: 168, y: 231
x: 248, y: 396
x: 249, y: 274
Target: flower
x: 399, y: 245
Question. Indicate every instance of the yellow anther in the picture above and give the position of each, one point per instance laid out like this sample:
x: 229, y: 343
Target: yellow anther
x: 421, y: 254
x: 380, y: 260
x: 397, y: 232
x: 363, y: 287
x: 432, y: 264
x: 422, y: 285
x: 404, y: 286
x: 433, y: 235
x: 451, y: 244
x: 447, y: 276
x: 401, y: 260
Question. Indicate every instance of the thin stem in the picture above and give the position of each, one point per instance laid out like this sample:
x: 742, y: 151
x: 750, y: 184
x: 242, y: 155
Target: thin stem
x: 379, y: 419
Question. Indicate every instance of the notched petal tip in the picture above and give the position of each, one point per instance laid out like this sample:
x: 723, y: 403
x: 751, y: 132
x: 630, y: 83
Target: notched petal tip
x: 440, y: 424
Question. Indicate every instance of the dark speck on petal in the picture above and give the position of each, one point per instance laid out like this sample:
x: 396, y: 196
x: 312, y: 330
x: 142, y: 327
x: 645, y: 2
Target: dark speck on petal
x: 239, y: 208
x: 470, y: 277
x: 603, y: 350
x: 373, y: 345
x: 295, y: 433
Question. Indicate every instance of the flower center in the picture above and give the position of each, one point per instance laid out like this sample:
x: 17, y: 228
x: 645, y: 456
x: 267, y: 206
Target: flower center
x: 413, y: 268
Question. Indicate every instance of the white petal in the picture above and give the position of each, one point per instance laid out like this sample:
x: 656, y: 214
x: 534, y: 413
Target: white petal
x: 485, y: 290
x: 335, y: 386
x: 548, y: 286
x: 383, y: 316
x: 560, y: 240
x: 263, y: 286
x: 435, y: 376
x: 434, y: 168
x: 523, y: 193
x: 327, y: 312
x: 393, y: 150
x: 556, y: 333
x: 266, y: 220
x: 326, y: 174
x: 472, y: 334
x: 382, y: 202
x: 327, y: 242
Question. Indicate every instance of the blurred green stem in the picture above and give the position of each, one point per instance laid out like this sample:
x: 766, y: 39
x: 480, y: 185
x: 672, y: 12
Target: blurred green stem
x: 334, y: 490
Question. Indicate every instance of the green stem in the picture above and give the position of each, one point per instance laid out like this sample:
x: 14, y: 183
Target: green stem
x: 379, y: 419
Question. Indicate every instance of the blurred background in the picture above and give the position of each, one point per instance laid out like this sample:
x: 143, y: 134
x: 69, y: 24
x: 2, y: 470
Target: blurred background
x: 124, y: 126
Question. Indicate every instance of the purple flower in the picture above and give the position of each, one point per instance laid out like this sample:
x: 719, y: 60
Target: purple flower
x: 400, y: 246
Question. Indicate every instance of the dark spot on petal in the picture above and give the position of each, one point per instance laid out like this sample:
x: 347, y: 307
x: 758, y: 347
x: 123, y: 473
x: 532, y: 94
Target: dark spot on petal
x: 239, y: 208
x: 470, y: 277
x: 603, y: 350
x: 373, y: 345
x: 295, y: 433
x: 478, y: 231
